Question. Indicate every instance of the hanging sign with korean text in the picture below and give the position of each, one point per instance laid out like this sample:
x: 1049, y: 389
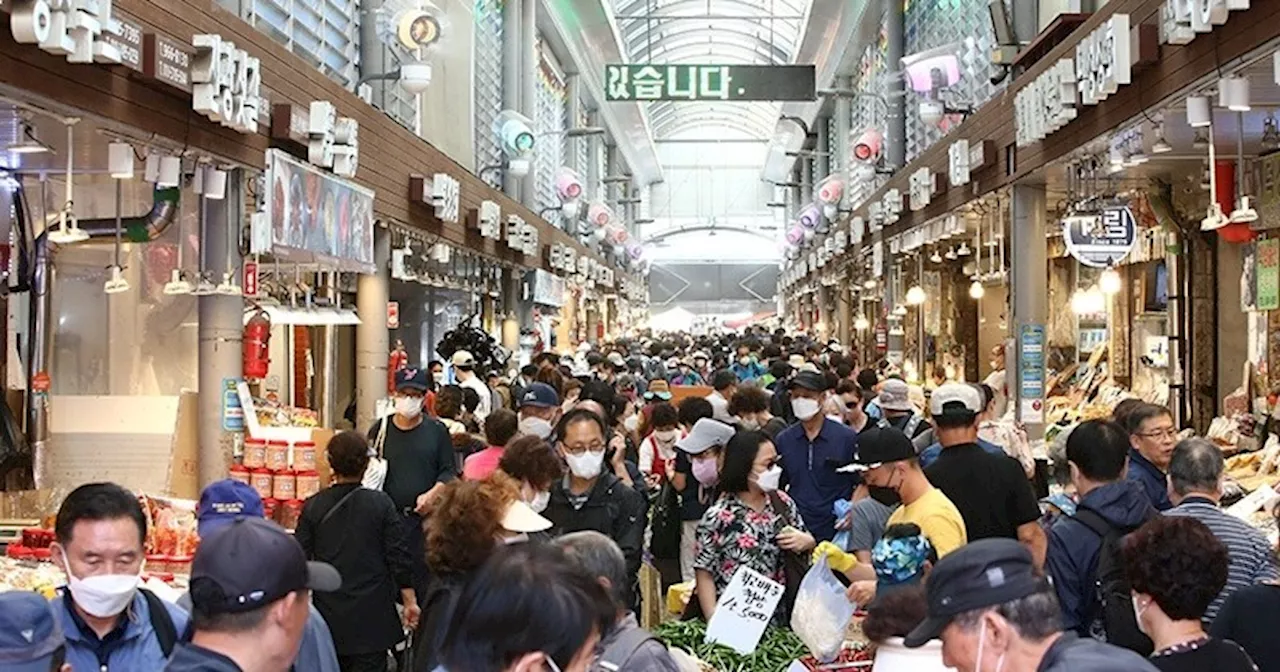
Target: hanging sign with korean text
x: 76, y: 30
x: 1100, y: 240
x: 645, y: 81
x: 227, y: 83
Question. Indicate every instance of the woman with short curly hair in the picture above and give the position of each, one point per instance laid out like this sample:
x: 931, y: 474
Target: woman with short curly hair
x: 534, y: 465
x: 1176, y: 567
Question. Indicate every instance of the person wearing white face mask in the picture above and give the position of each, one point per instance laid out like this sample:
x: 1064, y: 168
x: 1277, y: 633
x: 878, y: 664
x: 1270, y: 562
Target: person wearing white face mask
x: 811, y: 451
x: 591, y: 497
x: 751, y: 524
x: 535, y: 465
x: 420, y: 460
x: 751, y: 408
x: 108, y: 620
x: 539, y: 410
x: 658, y: 449
x: 994, y: 613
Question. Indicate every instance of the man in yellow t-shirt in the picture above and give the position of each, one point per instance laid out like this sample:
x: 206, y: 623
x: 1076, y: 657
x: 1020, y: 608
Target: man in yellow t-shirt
x: 888, y: 459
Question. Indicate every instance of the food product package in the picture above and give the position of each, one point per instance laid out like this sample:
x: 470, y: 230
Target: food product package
x: 822, y: 612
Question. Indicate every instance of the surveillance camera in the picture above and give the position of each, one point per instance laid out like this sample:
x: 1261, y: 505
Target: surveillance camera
x: 415, y: 77
x: 931, y: 112
x: 866, y: 149
x: 830, y: 190
x: 515, y: 133
x: 568, y: 185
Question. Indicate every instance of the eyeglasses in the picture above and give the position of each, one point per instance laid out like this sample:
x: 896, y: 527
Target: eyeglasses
x: 594, y: 447
x: 1167, y: 433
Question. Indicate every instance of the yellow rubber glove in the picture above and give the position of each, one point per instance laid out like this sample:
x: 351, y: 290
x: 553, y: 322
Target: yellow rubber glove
x: 836, y: 559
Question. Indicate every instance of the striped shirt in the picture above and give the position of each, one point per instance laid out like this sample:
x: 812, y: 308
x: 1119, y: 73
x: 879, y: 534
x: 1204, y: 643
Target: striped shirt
x: 1251, y: 560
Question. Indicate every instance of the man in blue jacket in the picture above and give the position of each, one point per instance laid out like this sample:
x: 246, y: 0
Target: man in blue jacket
x: 1096, y: 452
x: 811, y: 451
x: 746, y: 367
x: 1152, y: 436
x: 109, y: 623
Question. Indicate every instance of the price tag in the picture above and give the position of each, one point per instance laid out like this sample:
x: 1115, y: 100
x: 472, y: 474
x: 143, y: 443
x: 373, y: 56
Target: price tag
x: 744, y: 610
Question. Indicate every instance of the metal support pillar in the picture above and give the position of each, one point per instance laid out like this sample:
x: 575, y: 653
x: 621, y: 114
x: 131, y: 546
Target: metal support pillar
x: 1030, y: 305
x: 373, y: 55
x: 611, y: 189
x: 822, y: 159
x: 573, y: 95
x: 593, y: 158
x: 1179, y: 318
x: 220, y: 329
x: 844, y: 121
x: 844, y: 314
x: 511, y: 80
x: 373, y: 344
x: 326, y: 365
x: 806, y: 179
x: 895, y: 135
x: 529, y: 89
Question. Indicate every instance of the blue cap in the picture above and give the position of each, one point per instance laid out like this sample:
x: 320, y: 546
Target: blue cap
x: 224, y: 501
x: 539, y: 395
x: 29, y: 632
x: 411, y: 378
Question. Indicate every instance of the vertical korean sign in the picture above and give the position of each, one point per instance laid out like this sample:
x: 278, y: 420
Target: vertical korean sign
x: 1031, y: 373
x: 1267, y: 295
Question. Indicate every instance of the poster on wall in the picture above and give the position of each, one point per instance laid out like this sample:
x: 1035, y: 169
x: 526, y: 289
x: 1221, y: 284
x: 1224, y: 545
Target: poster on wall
x: 318, y: 217
x: 1267, y: 296
x: 1031, y: 372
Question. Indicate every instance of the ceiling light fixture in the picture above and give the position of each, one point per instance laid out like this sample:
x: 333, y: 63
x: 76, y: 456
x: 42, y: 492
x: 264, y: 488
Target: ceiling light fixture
x: 900, y: 310
x: 1244, y: 213
x: 1201, y: 139
x: 176, y: 285
x: 1199, y: 114
x: 861, y: 323
x: 916, y: 295
x: 1233, y: 93
x: 1109, y: 282
x: 951, y: 254
x: 964, y: 250
x: 936, y: 258
x: 976, y: 290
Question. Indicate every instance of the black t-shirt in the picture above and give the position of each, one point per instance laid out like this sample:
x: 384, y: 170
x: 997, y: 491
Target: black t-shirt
x: 991, y: 492
x: 692, y: 505
x: 1207, y: 655
x: 1250, y: 617
x: 417, y: 459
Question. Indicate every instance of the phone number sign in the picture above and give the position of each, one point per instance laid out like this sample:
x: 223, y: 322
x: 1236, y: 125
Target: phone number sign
x: 647, y: 81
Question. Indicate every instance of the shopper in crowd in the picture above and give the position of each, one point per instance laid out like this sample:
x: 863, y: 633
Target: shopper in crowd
x: 449, y: 409
x: 535, y: 467
x: 702, y: 365
x: 626, y: 647
x: 522, y: 381
x: 360, y: 533
x: 420, y: 459
x: 901, y: 559
x: 108, y: 620
x: 749, y: 408
x: 1176, y: 568
x: 695, y: 497
x: 998, y: 381
x: 551, y: 376
x: 811, y: 452
x: 1108, y: 506
x: 435, y: 381
x: 471, y: 521
x: 1152, y: 436
x: 724, y: 383
x: 1124, y: 408
x: 251, y: 587
x: 470, y: 404
x: 895, y: 402
x: 751, y: 524
x: 464, y: 367
x: 221, y: 503
x: 1250, y: 618
x: 868, y: 517
x: 499, y: 391
x: 572, y: 390
x: 31, y: 639
x: 745, y: 367
x: 591, y: 497
x: 993, y: 611
x: 499, y: 429
x: 685, y: 374
x: 539, y: 410
x: 528, y: 609
x: 658, y: 449
x: 990, y: 490
x: 869, y: 384
x: 1195, y: 486
x: 889, y: 461
x: 615, y: 455
x: 930, y: 447
x: 850, y: 401
x: 891, y: 618
x: 779, y: 372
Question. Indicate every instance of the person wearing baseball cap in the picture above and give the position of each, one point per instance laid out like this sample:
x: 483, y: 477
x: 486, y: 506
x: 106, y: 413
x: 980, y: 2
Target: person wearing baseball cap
x: 464, y: 366
x: 887, y: 459
x: 991, y: 491
x: 993, y: 611
x: 539, y: 408
x: 810, y: 453
x: 31, y: 639
x: 250, y: 598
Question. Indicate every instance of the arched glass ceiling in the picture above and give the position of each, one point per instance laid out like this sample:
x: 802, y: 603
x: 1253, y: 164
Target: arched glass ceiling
x: 728, y: 32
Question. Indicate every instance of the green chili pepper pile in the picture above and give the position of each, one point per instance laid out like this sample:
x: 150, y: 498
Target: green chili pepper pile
x: 778, y: 647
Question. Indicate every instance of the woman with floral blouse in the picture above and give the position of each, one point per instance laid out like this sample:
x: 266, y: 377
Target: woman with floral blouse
x: 744, y: 527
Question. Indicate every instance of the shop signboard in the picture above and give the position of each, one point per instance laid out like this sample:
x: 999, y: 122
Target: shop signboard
x: 1182, y: 20
x: 923, y: 184
x: 958, y: 163
x: 548, y: 288
x: 128, y: 42
x: 1031, y: 372
x: 167, y: 61
x: 744, y: 610
x: 317, y: 216
x: 1103, y: 239
x: 1267, y: 279
x: 232, y: 409
x: 226, y: 83
x: 687, y: 81
x: 1103, y: 62
x: 72, y: 29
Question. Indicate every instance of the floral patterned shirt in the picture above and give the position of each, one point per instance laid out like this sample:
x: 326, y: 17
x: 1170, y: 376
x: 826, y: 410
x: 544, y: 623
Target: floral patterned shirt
x: 732, y: 534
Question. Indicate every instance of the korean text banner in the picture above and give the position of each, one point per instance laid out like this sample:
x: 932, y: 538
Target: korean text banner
x: 316, y: 216
x: 648, y: 81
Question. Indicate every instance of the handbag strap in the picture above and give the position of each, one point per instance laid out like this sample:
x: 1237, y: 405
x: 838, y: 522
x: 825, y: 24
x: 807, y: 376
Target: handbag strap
x: 381, y: 438
x: 781, y: 508
x: 334, y: 509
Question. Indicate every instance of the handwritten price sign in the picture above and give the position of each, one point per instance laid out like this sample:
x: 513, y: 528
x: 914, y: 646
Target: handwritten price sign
x: 744, y: 610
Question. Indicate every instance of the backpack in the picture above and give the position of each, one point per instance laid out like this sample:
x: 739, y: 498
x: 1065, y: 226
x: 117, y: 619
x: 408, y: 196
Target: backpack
x: 615, y: 657
x: 1113, y: 615
x: 161, y: 622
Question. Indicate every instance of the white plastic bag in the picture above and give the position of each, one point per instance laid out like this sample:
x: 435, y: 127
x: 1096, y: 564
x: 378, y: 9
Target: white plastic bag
x: 822, y: 612
x: 376, y: 473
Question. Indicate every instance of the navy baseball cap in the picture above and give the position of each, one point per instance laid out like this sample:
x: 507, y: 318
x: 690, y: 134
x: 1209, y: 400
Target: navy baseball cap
x: 251, y: 563
x: 224, y: 501
x: 411, y: 378
x: 539, y: 395
x: 29, y: 632
x: 980, y: 574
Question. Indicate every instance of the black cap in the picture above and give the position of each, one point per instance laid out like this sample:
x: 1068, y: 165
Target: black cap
x: 810, y: 381
x: 980, y: 574
x: 251, y: 563
x: 880, y: 445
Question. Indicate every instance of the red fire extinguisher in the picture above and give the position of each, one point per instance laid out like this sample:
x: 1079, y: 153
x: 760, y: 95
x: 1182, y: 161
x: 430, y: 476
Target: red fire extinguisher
x: 257, y: 352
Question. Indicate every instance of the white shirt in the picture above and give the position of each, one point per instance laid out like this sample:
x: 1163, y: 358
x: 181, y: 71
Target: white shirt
x: 486, y: 396
x: 720, y: 407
